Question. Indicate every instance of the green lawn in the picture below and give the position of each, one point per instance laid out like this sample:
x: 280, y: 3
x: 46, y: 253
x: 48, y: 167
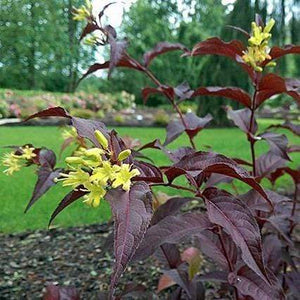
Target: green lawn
x: 16, y: 191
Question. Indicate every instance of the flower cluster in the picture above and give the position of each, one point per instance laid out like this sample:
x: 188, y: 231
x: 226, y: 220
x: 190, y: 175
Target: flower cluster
x: 84, y: 12
x: 92, y: 171
x: 15, y: 160
x: 258, y: 50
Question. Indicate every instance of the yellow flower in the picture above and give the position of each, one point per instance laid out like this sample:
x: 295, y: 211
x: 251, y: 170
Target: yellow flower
x: 28, y: 153
x: 79, y: 152
x: 13, y: 163
x: 69, y: 133
x: 101, y: 139
x: 123, y: 177
x: 92, y: 157
x: 74, y: 178
x: 124, y: 154
x: 258, y: 50
x: 84, y: 12
x: 104, y: 173
x: 96, y: 193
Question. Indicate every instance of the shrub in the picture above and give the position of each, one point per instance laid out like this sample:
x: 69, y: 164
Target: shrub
x: 161, y: 118
x: 247, y: 240
x: 118, y: 118
x: 82, y: 113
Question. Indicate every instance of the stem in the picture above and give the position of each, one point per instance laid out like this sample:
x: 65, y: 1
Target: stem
x: 175, y: 186
x: 175, y: 106
x: 250, y: 129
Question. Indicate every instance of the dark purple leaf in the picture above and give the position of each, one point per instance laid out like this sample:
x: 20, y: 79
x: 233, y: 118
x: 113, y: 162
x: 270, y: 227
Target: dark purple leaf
x: 250, y: 284
x: 152, y: 145
x: 277, y: 52
x: 174, y: 130
x: 293, y: 281
x: 215, y: 276
x: 295, y: 128
x: 169, y: 256
x: 89, y: 28
x: 272, y: 84
x: 110, y: 30
x: 171, y: 207
x: 206, y: 163
x: 54, y: 292
x: 259, y: 21
x: 116, y: 146
x: 178, y: 154
x: 268, y: 163
x: 183, y: 91
x: 68, y: 200
x: 45, y: 181
x: 272, y: 250
x: 86, y: 129
x: 171, y: 229
x: 241, y: 118
x: 278, y: 143
x: 132, y: 213
x: 236, y: 218
x: 161, y: 48
x: 148, y: 172
x: 210, y: 245
x: 117, y: 50
x: 45, y: 158
x: 233, y: 93
x: 194, y: 124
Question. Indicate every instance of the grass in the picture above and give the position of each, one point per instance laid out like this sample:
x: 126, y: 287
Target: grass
x: 16, y: 191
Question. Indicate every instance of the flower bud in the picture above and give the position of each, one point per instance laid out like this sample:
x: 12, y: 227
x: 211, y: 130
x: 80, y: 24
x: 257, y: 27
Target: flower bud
x: 269, y: 26
x: 124, y: 154
x: 101, y: 139
x: 73, y: 160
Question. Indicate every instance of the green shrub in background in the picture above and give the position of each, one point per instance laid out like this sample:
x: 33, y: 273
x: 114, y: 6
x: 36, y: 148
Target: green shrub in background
x: 161, y: 118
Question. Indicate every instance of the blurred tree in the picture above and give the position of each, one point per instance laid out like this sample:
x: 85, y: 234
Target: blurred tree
x: 39, y: 45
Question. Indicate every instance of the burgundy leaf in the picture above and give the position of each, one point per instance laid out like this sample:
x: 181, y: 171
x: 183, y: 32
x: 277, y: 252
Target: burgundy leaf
x: 148, y: 172
x: 152, y: 145
x: 250, y: 284
x: 236, y: 218
x: 132, y: 213
x: 45, y: 181
x: 174, y: 130
x: 50, y: 112
x: 215, y: 276
x: 268, y: 163
x: 211, y: 245
x: 116, y: 146
x: 294, y: 128
x: 171, y: 207
x: 272, y: 84
x: 277, y: 52
x: 259, y: 21
x: 233, y: 93
x: 171, y: 229
x: 165, y: 90
x: 278, y: 143
x: 54, y: 292
x: 124, y: 62
x: 110, y: 30
x: 216, y: 46
x: 241, y: 119
x: 183, y: 91
x: 89, y: 28
x: 68, y: 200
x: 169, y: 256
x: 215, y: 179
x: 207, y: 163
x: 161, y: 48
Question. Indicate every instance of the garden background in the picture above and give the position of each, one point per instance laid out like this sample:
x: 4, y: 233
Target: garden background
x: 41, y: 62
